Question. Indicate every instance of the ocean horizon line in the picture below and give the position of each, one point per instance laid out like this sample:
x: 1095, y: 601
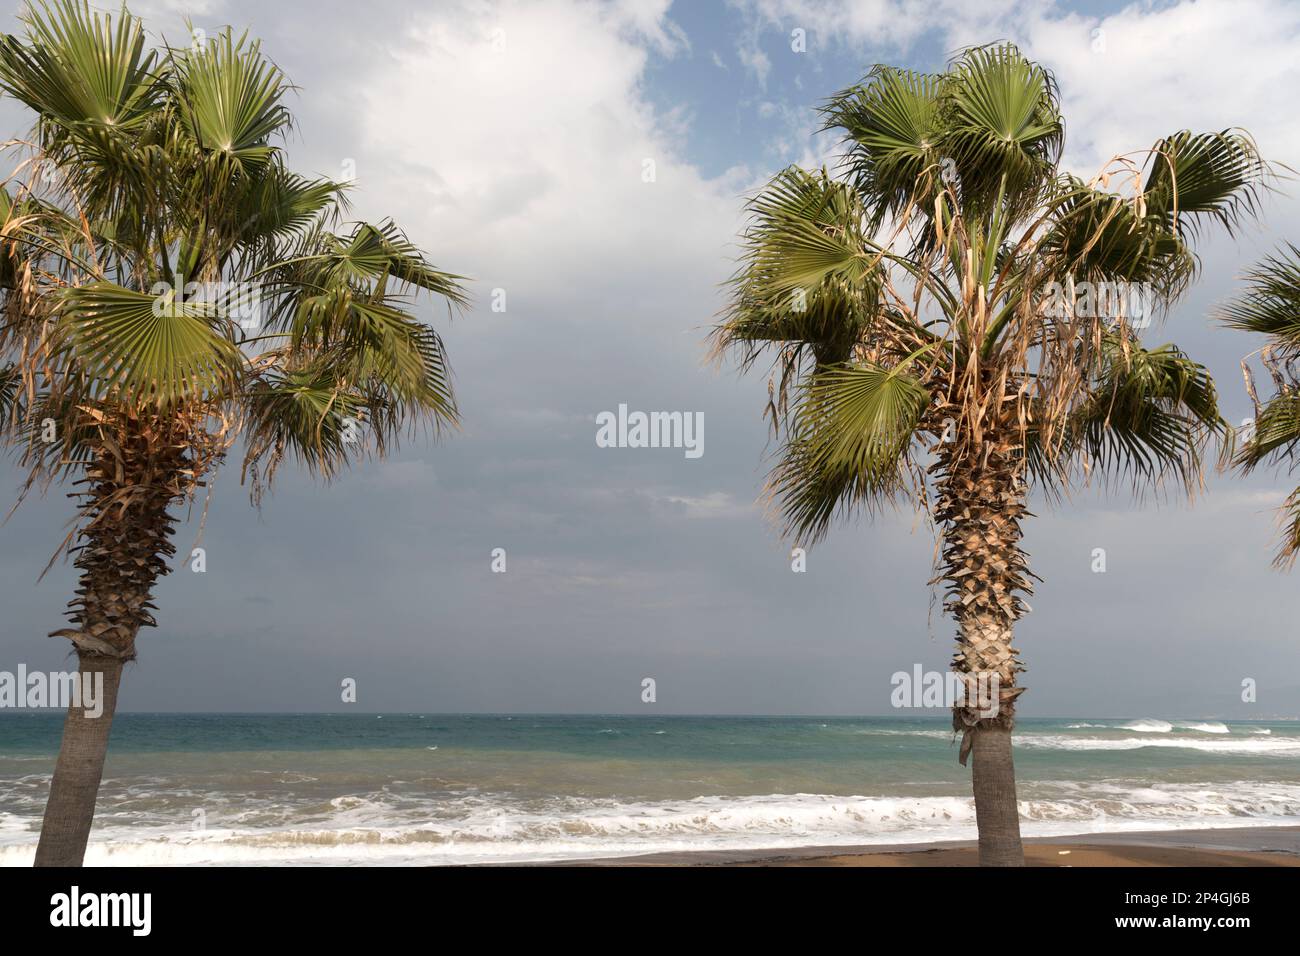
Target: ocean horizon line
x: 902, y: 714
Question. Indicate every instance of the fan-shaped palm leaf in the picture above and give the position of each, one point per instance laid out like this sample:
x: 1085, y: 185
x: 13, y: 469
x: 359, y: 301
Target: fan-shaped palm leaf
x: 1198, y: 176
x: 152, y: 348
x: 850, y: 438
x: 80, y: 68
x: 891, y: 130
x: 305, y: 414
x: 1002, y: 126
x: 230, y: 97
x: 1149, y: 415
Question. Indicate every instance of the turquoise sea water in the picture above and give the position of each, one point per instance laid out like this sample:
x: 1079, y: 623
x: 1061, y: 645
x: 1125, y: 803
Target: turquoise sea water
x: 430, y: 788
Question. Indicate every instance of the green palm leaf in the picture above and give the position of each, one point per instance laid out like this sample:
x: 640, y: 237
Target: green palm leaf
x: 890, y: 125
x: 1271, y: 302
x: 1276, y: 432
x: 807, y: 276
x: 230, y: 97
x: 157, y: 351
x: 1148, y: 414
x: 80, y: 68
x: 1270, y: 306
x: 862, y: 417
x: 281, y: 204
x: 378, y: 252
x: 1098, y: 236
x: 436, y: 397
x: 305, y: 414
x: 1002, y: 124
x: 849, y: 442
x: 798, y: 245
x: 1195, y: 176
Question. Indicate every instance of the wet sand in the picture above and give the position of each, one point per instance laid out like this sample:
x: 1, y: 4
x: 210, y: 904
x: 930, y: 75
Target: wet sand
x: 1245, y: 846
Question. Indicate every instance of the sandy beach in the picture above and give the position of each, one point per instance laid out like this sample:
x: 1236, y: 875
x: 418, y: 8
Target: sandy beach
x: 1244, y: 846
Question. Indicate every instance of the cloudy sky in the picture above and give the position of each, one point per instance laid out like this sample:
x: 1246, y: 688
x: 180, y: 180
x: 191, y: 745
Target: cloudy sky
x: 510, y: 140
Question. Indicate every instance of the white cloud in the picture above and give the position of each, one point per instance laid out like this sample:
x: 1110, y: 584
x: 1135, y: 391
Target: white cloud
x: 754, y: 60
x: 518, y: 136
x: 715, y: 504
x: 1126, y: 78
x: 856, y: 21
x: 648, y: 19
x: 1205, y: 65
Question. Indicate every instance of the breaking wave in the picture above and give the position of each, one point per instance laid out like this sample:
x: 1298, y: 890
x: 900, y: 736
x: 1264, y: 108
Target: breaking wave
x: 373, y: 829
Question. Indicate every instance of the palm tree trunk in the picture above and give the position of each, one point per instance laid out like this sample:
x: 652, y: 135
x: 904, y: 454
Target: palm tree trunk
x: 70, y: 810
x: 125, y: 541
x: 997, y: 815
x: 980, y: 505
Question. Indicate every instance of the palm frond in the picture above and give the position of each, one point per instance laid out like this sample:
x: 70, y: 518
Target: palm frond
x: 1270, y: 306
x: 1002, y: 126
x: 230, y: 97
x: 1148, y: 414
x: 848, y: 446
x: 1276, y: 432
x: 1289, y: 521
x: 1271, y: 302
x: 892, y: 134
x: 807, y: 278
x: 81, y: 68
x: 150, y: 347
x: 1198, y: 176
x: 307, y: 415
x: 1099, y: 236
x: 282, y: 203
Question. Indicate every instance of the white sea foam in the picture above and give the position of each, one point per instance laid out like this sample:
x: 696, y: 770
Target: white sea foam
x: 1272, y: 747
x: 1148, y: 725
x: 1206, y: 727
x: 374, y: 829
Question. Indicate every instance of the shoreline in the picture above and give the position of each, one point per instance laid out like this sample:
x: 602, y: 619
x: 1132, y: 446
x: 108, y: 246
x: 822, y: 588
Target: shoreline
x: 1225, y: 846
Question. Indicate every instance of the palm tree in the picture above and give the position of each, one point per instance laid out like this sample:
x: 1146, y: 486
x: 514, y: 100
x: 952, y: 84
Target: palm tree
x: 171, y: 289
x: 954, y: 319
x: 1271, y: 306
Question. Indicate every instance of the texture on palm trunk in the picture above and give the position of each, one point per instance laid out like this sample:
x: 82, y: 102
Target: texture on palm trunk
x: 980, y: 501
x: 944, y: 327
x: 171, y: 288
x: 126, y: 532
x: 125, y: 537
x: 979, y: 505
x: 70, y: 808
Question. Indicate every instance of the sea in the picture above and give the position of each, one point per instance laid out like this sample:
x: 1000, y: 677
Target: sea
x: 427, y: 788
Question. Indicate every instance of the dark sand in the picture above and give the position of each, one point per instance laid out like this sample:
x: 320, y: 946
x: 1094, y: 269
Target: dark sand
x: 1245, y: 846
